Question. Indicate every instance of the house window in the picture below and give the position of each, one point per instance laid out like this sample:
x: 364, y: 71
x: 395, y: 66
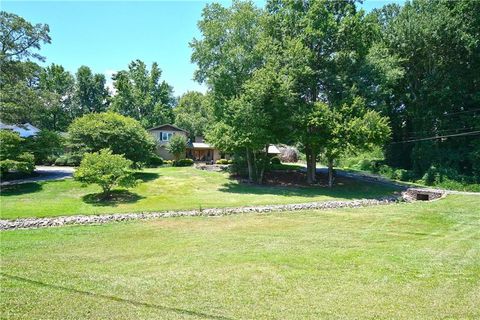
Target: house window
x: 165, y: 136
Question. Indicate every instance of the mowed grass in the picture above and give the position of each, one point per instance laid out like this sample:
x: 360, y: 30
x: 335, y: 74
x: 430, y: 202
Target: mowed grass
x: 165, y: 189
x: 401, y: 261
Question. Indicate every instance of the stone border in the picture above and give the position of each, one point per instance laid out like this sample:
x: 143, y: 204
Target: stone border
x: 33, y: 223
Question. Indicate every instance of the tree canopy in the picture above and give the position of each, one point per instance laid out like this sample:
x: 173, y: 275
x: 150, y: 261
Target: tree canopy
x: 142, y: 95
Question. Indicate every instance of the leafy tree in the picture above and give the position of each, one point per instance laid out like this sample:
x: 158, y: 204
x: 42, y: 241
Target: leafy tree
x: 323, y: 46
x: 177, y: 146
x: 45, y: 145
x: 248, y: 97
x: 106, y: 169
x: 12, y: 155
x: 122, y: 135
x: 20, y: 100
x: 90, y: 92
x: 350, y: 128
x: 193, y: 113
x: 18, y: 37
x: 438, y: 51
x: 141, y: 95
x: 59, y: 84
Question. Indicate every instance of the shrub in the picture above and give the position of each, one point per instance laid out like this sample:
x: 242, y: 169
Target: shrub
x: 155, y: 161
x: 12, y: 157
x: 69, y: 159
x: 122, y: 135
x: 431, y: 175
x: 275, y: 160
x: 222, y: 161
x: 45, y: 145
x: 177, y: 146
x: 183, y: 163
x: 168, y: 162
x: 105, y: 169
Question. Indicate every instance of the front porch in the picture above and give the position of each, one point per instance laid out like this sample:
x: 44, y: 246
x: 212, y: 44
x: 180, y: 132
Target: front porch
x: 201, y: 155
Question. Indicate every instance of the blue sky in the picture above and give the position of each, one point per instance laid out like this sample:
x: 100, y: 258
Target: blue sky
x: 107, y: 35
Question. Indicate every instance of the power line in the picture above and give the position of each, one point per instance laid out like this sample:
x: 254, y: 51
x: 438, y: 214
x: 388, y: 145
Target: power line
x: 443, y: 130
x: 472, y: 133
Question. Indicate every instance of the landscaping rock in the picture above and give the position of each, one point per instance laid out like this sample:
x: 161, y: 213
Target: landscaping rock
x: 31, y: 223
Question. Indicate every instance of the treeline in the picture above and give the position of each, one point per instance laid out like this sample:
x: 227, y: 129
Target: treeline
x: 321, y: 75
x: 335, y: 80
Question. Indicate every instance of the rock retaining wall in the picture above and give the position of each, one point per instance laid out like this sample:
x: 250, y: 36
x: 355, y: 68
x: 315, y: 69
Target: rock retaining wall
x: 31, y: 223
x: 413, y: 194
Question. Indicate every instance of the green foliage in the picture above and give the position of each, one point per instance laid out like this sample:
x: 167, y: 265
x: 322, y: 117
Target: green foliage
x: 275, y: 160
x: 121, y: 134
x: 58, y: 86
x: 177, y: 145
x: 106, y: 169
x: 69, y: 159
x: 437, y: 51
x: 155, y: 161
x: 222, y: 161
x: 12, y: 155
x: 141, y: 94
x: 20, y: 39
x: 193, y: 113
x: 90, y: 92
x: 183, y: 163
x: 45, y: 145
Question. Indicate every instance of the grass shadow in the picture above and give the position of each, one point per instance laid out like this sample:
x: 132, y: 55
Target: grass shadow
x: 20, y: 189
x: 146, y: 176
x: 115, y: 198
x: 344, y: 188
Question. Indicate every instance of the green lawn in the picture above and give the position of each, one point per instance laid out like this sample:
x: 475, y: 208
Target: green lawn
x: 402, y: 261
x: 164, y: 189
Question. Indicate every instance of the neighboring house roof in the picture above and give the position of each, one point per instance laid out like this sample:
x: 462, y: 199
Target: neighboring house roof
x: 272, y: 149
x: 169, y: 127
x: 24, y: 130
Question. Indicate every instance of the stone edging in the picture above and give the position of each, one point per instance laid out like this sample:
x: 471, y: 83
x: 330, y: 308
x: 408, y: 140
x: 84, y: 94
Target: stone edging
x: 32, y: 223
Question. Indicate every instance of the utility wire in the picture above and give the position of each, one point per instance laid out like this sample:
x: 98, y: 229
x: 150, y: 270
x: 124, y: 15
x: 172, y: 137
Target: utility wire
x: 472, y: 133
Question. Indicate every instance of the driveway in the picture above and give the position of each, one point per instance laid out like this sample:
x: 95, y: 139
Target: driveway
x: 44, y: 173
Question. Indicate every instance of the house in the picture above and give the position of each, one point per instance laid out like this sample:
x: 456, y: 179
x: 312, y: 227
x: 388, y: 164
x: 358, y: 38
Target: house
x: 197, y: 150
x: 162, y: 135
x: 24, y: 130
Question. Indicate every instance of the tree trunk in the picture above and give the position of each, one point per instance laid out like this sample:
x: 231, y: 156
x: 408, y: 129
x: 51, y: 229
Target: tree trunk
x: 330, y: 173
x: 250, y: 166
x: 264, y: 165
x: 311, y: 166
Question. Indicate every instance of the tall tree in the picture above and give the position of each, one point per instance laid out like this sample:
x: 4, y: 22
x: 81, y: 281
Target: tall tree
x: 324, y: 45
x: 438, y: 46
x: 58, y: 87
x: 90, y: 92
x: 142, y: 95
x: 193, y: 113
x: 19, y: 40
x: 248, y: 96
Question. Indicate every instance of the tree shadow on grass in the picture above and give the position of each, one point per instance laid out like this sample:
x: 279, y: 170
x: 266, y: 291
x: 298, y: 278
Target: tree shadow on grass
x: 19, y: 189
x: 146, y: 176
x: 344, y: 188
x: 115, y: 198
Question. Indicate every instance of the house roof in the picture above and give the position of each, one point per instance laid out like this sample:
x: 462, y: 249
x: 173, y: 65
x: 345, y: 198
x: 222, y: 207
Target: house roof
x: 272, y: 149
x: 201, y: 145
x: 168, y: 126
x: 24, y: 130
